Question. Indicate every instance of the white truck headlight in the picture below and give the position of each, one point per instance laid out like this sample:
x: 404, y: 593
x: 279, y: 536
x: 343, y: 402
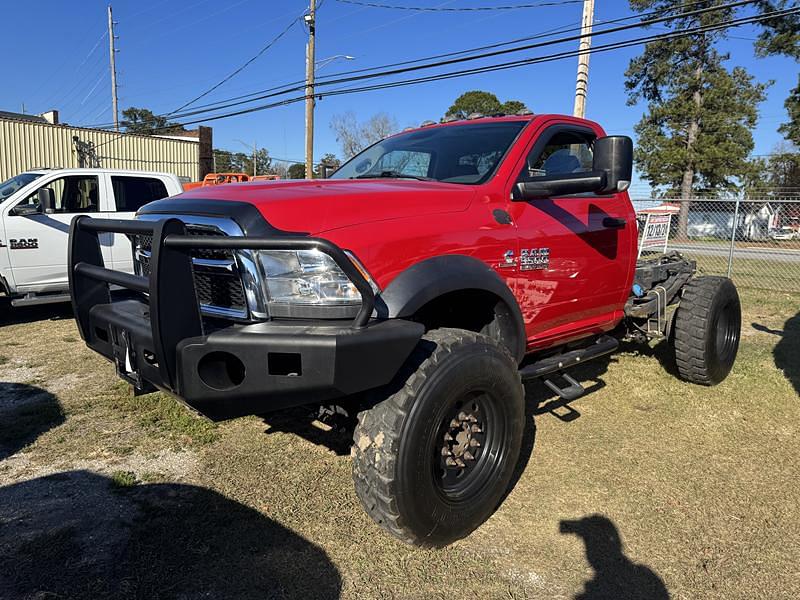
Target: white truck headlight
x: 308, y: 277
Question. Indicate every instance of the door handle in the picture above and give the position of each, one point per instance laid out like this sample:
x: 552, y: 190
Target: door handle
x: 613, y: 223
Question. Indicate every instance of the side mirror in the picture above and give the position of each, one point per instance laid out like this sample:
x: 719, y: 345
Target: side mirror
x: 26, y: 210
x: 47, y: 200
x: 613, y: 155
x: 612, y: 167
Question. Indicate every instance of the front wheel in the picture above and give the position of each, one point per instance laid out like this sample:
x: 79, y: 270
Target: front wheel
x: 433, y: 460
x: 708, y: 324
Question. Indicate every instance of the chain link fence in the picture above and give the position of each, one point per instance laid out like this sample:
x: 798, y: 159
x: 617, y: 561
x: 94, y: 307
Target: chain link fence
x: 756, y: 241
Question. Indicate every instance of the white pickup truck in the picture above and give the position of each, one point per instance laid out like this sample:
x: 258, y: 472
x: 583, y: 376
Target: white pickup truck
x: 36, y: 208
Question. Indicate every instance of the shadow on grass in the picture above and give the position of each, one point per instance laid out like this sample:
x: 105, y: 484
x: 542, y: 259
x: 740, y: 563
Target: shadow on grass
x: 543, y: 400
x: 787, y: 350
x: 332, y: 430
x: 26, y: 412
x: 616, y: 577
x: 10, y: 315
x: 79, y: 535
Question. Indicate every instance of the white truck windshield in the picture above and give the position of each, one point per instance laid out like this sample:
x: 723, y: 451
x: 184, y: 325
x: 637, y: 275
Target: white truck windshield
x: 7, y: 188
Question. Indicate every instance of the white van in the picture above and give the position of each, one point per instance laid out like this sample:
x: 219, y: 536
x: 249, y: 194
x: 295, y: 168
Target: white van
x: 36, y: 208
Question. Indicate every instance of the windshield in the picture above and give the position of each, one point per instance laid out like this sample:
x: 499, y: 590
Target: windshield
x: 12, y: 185
x: 467, y: 153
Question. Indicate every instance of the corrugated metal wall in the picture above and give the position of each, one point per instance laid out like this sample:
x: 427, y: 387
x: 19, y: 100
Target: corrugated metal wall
x: 25, y: 145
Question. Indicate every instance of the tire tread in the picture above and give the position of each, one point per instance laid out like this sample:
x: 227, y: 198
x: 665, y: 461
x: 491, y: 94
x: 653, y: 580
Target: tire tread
x: 374, y: 463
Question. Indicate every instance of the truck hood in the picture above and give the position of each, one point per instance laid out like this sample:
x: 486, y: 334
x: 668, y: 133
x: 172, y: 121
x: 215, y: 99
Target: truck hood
x: 322, y: 205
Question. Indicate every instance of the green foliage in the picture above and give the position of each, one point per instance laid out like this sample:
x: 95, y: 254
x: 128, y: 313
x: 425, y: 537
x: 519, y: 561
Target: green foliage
x: 792, y: 129
x: 143, y: 121
x: 779, y: 35
x: 782, y: 36
x: 328, y: 163
x: 297, y: 171
x: 781, y: 171
x: 485, y: 103
x: 124, y: 479
x: 241, y: 162
x: 330, y: 160
x: 696, y: 131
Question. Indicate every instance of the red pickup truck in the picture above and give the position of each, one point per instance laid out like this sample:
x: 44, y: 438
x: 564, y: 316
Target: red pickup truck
x: 418, y: 286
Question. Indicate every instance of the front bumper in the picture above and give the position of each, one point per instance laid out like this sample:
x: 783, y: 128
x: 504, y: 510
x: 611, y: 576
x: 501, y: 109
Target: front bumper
x: 160, y: 341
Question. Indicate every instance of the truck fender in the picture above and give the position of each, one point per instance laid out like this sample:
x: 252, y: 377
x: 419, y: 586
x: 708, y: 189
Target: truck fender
x: 431, y: 278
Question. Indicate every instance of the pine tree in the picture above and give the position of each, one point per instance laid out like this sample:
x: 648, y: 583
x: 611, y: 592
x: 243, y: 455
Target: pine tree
x: 782, y: 36
x: 696, y: 131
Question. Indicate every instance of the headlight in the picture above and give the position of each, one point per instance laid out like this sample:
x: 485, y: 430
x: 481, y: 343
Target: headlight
x: 308, y: 277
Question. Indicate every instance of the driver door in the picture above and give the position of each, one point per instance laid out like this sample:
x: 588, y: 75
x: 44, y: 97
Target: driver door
x: 38, y: 242
x: 574, y: 251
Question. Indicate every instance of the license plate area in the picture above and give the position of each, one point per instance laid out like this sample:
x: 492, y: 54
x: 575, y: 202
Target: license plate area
x: 125, y: 357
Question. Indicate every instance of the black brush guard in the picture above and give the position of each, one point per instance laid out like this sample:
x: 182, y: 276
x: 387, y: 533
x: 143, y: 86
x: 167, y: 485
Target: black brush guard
x: 158, y: 340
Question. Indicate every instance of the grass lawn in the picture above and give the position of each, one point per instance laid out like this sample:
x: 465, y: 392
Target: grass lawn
x: 753, y: 273
x: 645, y: 487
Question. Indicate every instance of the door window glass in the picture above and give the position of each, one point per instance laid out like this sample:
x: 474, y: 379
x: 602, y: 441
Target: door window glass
x: 566, y: 152
x: 72, y: 194
x: 131, y: 193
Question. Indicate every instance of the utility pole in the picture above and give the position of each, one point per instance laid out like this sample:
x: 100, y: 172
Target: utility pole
x: 310, y: 20
x: 113, y: 64
x: 255, y: 154
x: 582, y: 81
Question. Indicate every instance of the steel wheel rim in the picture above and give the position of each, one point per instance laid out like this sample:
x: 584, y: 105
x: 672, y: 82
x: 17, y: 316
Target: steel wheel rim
x: 726, y: 333
x: 468, y: 445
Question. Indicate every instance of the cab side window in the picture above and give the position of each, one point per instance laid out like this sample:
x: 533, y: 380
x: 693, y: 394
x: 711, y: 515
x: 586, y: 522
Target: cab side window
x: 71, y: 194
x: 565, y: 152
x: 131, y: 193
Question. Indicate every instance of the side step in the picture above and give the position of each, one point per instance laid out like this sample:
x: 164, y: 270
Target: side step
x: 605, y: 344
x: 572, y: 392
x: 34, y: 300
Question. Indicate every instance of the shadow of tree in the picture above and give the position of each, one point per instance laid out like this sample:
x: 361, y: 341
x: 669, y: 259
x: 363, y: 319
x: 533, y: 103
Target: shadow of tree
x: 77, y: 535
x: 26, y: 412
x: 616, y: 577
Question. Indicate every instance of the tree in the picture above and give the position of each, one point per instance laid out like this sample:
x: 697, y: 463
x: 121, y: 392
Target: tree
x: 240, y: 162
x: 328, y: 163
x: 778, y: 175
x: 782, y: 36
x: 297, y: 171
x: 353, y: 136
x: 143, y: 121
x: 512, y: 107
x: 696, y: 131
x: 484, y: 103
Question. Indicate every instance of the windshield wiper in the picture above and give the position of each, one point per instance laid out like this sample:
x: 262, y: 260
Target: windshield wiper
x: 393, y: 175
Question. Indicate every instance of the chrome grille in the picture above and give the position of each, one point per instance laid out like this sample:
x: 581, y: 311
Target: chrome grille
x: 217, y: 280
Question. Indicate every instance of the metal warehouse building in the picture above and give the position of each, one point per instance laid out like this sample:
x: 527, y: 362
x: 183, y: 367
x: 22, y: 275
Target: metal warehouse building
x: 37, y: 141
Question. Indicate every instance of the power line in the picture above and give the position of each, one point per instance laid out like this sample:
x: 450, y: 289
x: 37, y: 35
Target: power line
x: 508, y: 65
x: 240, y: 69
x: 543, y: 34
x: 459, y: 8
x: 333, y: 80
x: 452, y: 61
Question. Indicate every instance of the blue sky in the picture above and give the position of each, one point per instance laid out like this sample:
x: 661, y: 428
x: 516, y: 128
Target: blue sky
x: 170, y: 51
